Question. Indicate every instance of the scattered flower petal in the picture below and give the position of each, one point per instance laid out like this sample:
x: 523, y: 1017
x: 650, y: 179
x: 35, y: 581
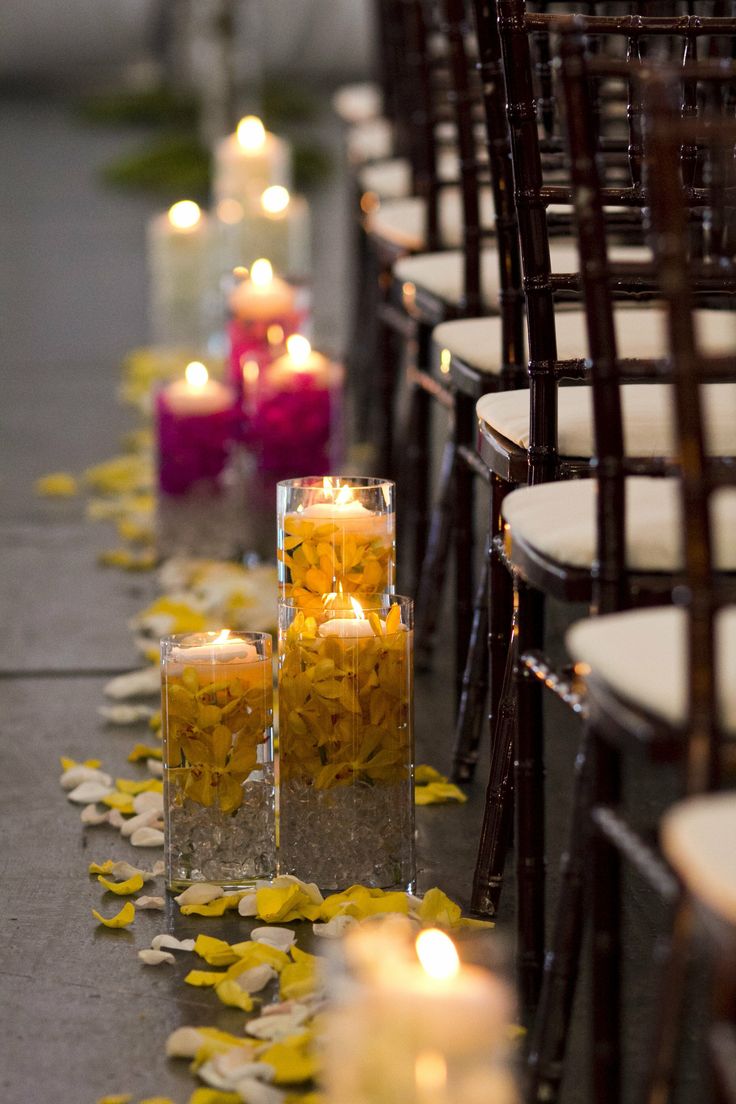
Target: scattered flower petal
x: 255, y: 1092
x: 115, y: 818
x: 67, y: 763
x: 204, y: 979
x: 172, y: 943
x: 334, y: 928
x: 149, y: 800
x: 156, y: 767
x: 199, y: 894
x: 281, y: 938
x: 150, y: 903
x: 78, y: 773
x: 101, y: 868
x: 214, y: 1096
x: 135, y: 786
x: 253, y: 979
x: 125, y: 714
x: 184, y: 1042
x: 122, y: 870
x: 120, y: 801
x: 230, y: 993
x: 90, y: 814
x: 144, y: 751
x: 213, y: 908
x: 123, y: 889
x: 121, y: 919
x: 88, y: 792
x: 152, y: 957
x: 275, y: 1026
x: 116, y: 1098
x: 147, y: 837
x: 56, y: 485
x: 135, y: 684
x: 140, y: 820
x: 439, y: 793
x: 424, y: 774
x: 294, y: 1059
x: 215, y: 952
x: 248, y: 905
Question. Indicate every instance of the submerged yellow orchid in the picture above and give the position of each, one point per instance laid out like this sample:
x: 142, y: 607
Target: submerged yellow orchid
x: 122, y: 919
x: 321, y: 558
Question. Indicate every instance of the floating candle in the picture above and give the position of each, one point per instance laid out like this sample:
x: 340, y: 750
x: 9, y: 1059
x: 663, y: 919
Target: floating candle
x: 263, y: 296
x: 249, y: 161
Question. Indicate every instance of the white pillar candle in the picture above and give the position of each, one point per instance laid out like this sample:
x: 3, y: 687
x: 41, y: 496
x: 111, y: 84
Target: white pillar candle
x: 179, y: 270
x: 277, y: 225
x: 249, y: 161
x: 263, y: 296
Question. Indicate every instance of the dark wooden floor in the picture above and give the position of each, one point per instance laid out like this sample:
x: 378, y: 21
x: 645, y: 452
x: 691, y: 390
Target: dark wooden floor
x: 79, y: 1015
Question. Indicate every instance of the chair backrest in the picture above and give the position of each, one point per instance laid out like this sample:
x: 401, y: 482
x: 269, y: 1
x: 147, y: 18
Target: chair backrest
x: 526, y: 41
x: 687, y: 139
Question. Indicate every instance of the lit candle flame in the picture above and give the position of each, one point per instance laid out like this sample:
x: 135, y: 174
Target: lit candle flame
x: 251, y: 134
x: 185, y: 214
x: 222, y: 637
x: 437, y: 954
x: 357, y: 608
x: 327, y: 486
x: 196, y: 374
x: 344, y: 496
x: 261, y: 272
x: 298, y: 349
x: 275, y: 334
x: 275, y: 199
x: 251, y: 372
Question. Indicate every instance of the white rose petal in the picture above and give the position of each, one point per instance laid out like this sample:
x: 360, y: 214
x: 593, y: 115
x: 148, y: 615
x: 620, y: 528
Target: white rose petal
x: 155, y: 767
x: 135, y: 684
x: 142, y: 802
x: 200, y: 894
x: 184, y: 1042
x: 255, y: 1092
x: 277, y: 1025
x: 255, y: 979
x: 147, y: 837
x: 172, y: 943
x: 155, y: 958
x: 141, y: 820
x: 150, y: 903
x: 158, y: 868
x: 121, y: 871
x: 116, y: 818
x: 237, y: 1062
x: 311, y: 890
x: 247, y: 905
x: 76, y: 775
x: 281, y: 938
x: 335, y: 927
x: 90, y: 814
x: 88, y: 792
x: 125, y: 714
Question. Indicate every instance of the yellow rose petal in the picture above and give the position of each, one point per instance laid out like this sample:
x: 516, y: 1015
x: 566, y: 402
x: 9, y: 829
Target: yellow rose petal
x: 157, y: 1100
x: 299, y: 978
x: 121, y: 919
x: 439, y: 793
x: 133, y: 786
x: 204, y: 979
x: 214, y: 1096
x: 101, y: 868
x: 212, y: 908
x: 437, y: 908
x: 257, y: 954
x: 215, y: 952
x: 274, y: 904
x: 146, y: 751
x: 130, y: 885
x: 67, y: 763
x: 423, y: 774
x: 116, y: 1098
x: 293, y: 1060
x: 232, y: 995
x: 122, y: 802
x: 56, y: 485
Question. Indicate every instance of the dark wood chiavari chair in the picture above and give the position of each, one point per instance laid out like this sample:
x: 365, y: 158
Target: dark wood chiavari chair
x: 627, y: 654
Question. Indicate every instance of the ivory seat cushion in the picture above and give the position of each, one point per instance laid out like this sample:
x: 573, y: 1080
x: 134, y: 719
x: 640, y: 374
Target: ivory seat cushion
x: 640, y: 332
x: 442, y: 273
x: 392, y: 179
x: 358, y: 102
x: 559, y: 520
x: 641, y: 656
x: 369, y: 141
x: 404, y: 221
x: 648, y: 414
x: 699, y: 840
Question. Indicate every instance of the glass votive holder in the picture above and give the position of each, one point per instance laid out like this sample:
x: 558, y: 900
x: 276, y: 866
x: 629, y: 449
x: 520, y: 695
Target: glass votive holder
x: 217, y: 728
x: 346, y: 743
x: 336, y: 535
x: 408, y: 1021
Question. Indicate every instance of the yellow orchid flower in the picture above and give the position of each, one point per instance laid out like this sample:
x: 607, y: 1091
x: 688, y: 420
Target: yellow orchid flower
x: 123, y: 889
x: 122, y: 919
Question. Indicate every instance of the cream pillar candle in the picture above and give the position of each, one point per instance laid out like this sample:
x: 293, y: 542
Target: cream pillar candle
x: 249, y: 161
x: 179, y: 270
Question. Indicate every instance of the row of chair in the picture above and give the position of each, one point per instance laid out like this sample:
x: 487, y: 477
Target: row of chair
x: 562, y: 281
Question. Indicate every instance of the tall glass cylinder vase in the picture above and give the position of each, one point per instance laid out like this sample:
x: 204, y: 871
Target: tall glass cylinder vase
x: 217, y: 717
x: 346, y: 746
x: 336, y: 535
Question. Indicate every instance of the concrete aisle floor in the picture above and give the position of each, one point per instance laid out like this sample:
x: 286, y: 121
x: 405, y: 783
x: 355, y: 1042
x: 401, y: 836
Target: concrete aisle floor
x: 80, y: 1015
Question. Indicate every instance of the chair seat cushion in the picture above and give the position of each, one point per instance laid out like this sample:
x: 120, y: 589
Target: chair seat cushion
x: 648, y: 418
x: 404, y: 221
x: 392, y: 179
x: 698, y: 840
x: 641, y: 656
x: 358, y: 102
x: 441, y: 274
x: 558, y: 520
x: 640, y: 332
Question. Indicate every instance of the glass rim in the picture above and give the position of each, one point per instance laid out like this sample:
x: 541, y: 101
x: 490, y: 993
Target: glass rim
x: 209, y: 636
x: 405, y: 600
x: 360, y: 482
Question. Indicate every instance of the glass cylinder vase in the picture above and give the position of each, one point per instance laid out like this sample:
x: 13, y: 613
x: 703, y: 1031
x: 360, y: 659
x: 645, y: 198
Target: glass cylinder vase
x: 346, y: 747
x: 336, y: 535
x: 217, y: 718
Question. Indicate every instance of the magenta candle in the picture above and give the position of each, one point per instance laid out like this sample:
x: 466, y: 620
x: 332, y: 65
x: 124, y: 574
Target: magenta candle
x: 264, y: 312
x: 295, y: 412
x: 197, y: 420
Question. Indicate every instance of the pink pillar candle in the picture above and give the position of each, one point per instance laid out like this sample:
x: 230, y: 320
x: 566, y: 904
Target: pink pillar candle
x: 197, y: 420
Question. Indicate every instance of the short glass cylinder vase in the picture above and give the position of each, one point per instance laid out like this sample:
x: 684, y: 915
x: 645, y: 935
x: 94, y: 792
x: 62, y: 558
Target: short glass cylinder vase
x: 346, y: 743
x: 336, y: 535
x: 217, y: 727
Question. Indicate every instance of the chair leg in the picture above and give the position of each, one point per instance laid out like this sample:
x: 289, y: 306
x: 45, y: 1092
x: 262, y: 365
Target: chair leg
x: 500, y: 600
x: 417, y: 440
x: 548, y: 1038
x: 499, y: 805
x: 389, y: 367
x: 463, y: 526
x: 605, y: 875
x: 434, y: 567
x: 474, y: 692
x: 529, y: 803
x: 674, y: 974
